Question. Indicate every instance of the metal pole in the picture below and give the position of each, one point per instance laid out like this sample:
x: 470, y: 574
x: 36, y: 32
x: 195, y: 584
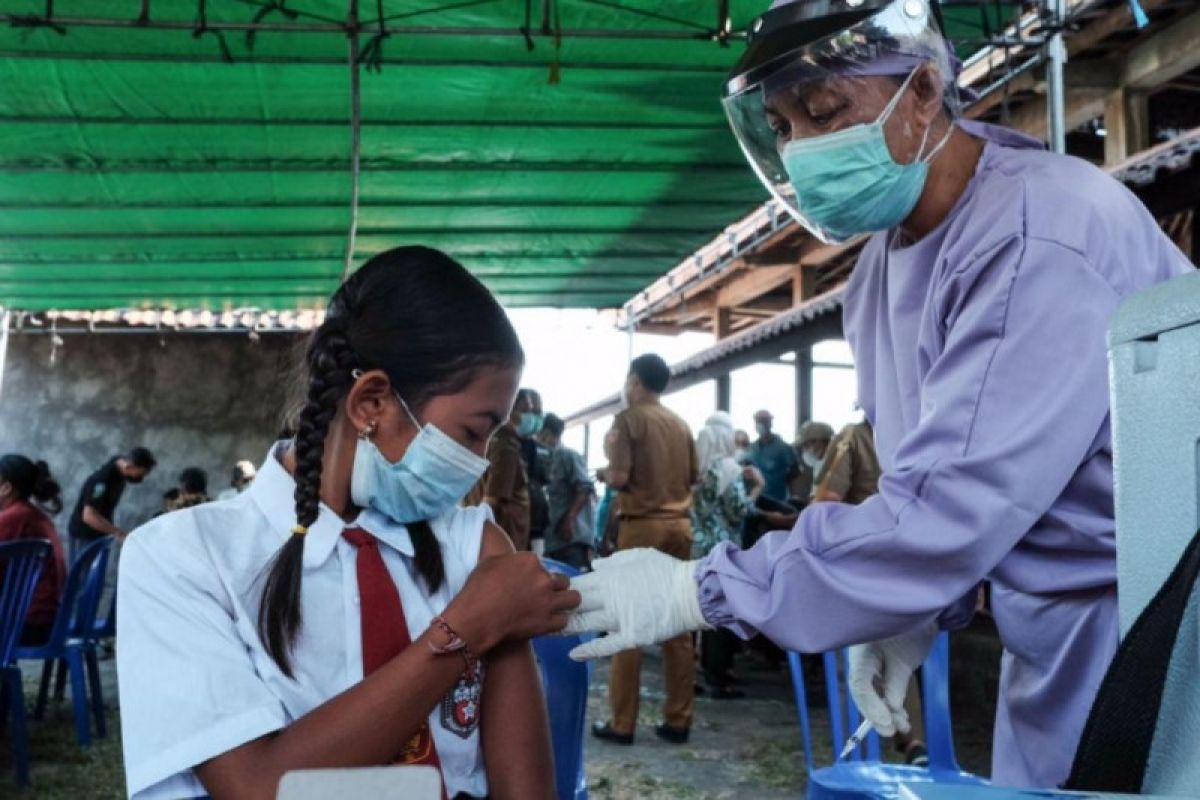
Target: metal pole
x: 5, y: 323
x: 1056, y: 60
x: 355, y: 141
x: 23, y: 21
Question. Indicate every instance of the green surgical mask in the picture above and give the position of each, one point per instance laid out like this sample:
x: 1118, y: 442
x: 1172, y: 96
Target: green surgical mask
x: 848, y: 183
x: 529, y: 424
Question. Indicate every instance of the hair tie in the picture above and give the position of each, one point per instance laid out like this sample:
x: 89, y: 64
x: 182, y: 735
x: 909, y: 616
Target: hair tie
x: 299, y: 530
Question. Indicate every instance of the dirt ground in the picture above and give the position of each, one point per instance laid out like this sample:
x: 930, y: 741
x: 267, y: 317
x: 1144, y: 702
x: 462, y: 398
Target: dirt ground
x: 748, y: 748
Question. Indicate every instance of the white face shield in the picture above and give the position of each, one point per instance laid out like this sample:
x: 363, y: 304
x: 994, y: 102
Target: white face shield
x: 811, y: 69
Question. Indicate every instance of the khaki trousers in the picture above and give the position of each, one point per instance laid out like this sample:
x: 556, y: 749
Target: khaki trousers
x: 673, y: 537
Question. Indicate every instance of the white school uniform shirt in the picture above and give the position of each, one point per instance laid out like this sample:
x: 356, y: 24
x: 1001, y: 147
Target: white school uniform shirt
x: 195, y: 680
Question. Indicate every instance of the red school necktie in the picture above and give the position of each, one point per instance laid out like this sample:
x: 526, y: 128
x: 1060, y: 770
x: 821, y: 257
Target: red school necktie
x: 385, y: 631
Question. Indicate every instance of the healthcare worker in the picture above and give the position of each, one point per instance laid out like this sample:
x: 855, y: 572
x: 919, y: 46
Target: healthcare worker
x: 977, y: 315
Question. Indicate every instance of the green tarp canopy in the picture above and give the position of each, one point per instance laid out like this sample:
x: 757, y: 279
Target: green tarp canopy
x: 163, y: 154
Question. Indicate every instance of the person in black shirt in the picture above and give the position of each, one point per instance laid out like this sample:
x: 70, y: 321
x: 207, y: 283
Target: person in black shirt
x: 93, y: 514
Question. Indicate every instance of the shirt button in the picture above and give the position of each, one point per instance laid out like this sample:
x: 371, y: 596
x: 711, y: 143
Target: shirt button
x: 357, y: 600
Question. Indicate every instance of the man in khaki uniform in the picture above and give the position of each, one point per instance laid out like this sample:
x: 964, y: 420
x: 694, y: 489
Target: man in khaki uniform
x: 851, y: 470
x: 652, y: 464
x: 504, y: 486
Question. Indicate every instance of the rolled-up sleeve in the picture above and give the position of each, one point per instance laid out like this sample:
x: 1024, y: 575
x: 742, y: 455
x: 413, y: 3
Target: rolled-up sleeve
x: 189, y: 689
x: 1011, y: 406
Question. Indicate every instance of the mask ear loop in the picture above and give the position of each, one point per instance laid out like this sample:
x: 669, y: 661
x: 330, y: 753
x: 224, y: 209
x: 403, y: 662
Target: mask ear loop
x: 891, y: 106
x: 895, y: 101
x: 412, y: 418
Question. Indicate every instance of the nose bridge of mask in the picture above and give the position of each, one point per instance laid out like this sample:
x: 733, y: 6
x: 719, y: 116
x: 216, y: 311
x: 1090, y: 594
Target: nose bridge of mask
x: 436, y: 442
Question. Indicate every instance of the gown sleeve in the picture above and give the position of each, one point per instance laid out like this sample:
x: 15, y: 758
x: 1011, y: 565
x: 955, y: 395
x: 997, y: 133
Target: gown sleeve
x: 1014, y: 403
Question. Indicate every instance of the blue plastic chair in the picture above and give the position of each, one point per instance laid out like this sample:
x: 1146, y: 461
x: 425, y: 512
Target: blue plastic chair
x: 106, y: 627
x: 21, y: 565
x: 71, y: 643
x: 565, y: 683
x: 863, y: 776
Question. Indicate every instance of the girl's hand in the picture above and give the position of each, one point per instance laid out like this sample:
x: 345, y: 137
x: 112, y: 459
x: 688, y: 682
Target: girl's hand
x: 510, y: 596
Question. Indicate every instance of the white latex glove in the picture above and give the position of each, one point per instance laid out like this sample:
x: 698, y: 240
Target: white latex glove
x: 638, y: 597
x: 879, y: 676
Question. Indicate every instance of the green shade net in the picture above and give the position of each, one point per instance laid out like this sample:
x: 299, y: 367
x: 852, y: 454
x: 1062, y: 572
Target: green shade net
x: 204, y: 169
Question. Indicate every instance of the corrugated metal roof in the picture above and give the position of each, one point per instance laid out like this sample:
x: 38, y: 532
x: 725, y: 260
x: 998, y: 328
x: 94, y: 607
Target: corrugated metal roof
x: 1150, y: 165
x: 776, y: 326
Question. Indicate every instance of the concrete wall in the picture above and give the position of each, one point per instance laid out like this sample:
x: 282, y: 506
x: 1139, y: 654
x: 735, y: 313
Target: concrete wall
x: 193, y: 399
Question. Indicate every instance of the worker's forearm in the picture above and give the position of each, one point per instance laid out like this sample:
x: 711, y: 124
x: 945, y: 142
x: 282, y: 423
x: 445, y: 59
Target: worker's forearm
x: 96, y: 521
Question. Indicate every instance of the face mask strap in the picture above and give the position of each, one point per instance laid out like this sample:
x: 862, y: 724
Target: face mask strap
x: 937, y: 148
x: 416, y: 423
x: 895, y: 101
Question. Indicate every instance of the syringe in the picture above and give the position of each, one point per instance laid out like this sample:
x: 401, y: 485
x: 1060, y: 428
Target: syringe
x: 855, y: 740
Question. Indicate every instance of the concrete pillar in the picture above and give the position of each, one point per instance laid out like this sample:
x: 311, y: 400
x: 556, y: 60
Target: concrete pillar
x: 804, y: 376
x: 724, y: 392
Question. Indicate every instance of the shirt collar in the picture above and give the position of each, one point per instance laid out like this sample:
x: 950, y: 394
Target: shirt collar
x: 273, y: 492
x: 1000, y: 135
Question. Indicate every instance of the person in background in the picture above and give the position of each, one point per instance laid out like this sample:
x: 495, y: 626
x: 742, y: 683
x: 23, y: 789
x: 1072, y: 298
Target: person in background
x: 571, y: 495
x: 505, y: 487
x: 28, y: 494
x: 535, y: 456
x: 811, y: 443
x: 606, y: 512
x: 723, y: 499
x: 850, y: 473
x: 169, y: 498
x: 741, y: 446
x: 653, y: 467
x: 243, y: 475
x: 101, y: 492
x: 193, y: 489
x: 774, y: 458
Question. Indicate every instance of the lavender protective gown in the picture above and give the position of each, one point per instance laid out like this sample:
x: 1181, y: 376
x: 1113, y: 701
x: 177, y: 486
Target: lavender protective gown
x: 981, y: 362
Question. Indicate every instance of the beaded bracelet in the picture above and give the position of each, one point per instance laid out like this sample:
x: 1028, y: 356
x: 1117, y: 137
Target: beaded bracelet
x: 456, y: 644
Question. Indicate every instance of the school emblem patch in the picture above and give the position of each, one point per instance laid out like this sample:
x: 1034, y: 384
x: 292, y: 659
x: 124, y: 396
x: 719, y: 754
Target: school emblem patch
x: 462, y: 704
x: 419, y: 748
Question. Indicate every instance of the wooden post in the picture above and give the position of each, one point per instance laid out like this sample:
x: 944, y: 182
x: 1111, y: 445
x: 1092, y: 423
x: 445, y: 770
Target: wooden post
x: 1126, y: 124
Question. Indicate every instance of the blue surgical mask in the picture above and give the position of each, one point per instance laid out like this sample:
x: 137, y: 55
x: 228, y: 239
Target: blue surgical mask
x: 434, y: 474
x: 530, y: 424
x: 848, y: 183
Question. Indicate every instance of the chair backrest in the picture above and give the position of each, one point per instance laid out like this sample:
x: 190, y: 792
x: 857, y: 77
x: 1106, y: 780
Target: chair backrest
x: 20, y: 567
x: 81, y: 595
x: 844, y: 717
x: 565, y: 683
